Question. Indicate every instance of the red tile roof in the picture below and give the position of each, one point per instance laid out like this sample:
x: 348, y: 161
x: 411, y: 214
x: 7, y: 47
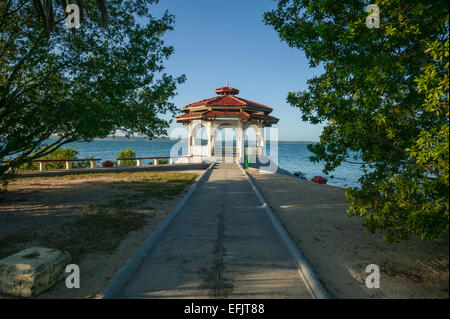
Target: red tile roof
x: 227, y: 100
x: 263, y: 117
x: 189, y: 115
x: 225, y: 90
x: 226, y: 114
x: 209, y: 114
x: 202, y: 102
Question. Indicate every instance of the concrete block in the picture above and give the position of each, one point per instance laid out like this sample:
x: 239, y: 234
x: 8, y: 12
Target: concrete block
x: 32, y: 271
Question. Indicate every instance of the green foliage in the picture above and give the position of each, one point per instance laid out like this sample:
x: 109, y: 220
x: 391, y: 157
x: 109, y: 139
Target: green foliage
x: 383, y: 94
x: 84, y: 164
x: 163, y: 160
x: 58, y: 154
x: 29, y: 166
x: 86, y: 83
x: 128, y: 153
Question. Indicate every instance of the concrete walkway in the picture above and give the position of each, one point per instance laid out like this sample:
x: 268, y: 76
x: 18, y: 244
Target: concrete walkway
x: 220, y: 245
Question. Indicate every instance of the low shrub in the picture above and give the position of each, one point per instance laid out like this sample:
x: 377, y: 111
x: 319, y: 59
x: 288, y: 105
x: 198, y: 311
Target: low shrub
x: 58, y: 154
x: 163, y: 160
x: 84, y: 164
x: 128, y: 153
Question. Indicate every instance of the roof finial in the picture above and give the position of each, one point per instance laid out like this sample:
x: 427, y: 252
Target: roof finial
x: 227, y: 83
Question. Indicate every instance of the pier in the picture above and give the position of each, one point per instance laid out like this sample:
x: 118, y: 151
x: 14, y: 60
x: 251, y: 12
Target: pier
x: 221, y: 244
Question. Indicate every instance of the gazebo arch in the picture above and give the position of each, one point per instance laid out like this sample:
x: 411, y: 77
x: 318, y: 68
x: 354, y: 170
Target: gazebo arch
x: 226, y: 109
x: 219, y: 129
x: 258, y: 148
x: 195, y: 131
x: 194, y: 149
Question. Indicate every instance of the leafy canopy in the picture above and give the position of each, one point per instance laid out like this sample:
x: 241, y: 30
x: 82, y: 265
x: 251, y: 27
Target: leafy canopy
x: 383, y: 94
x: 83, y: 84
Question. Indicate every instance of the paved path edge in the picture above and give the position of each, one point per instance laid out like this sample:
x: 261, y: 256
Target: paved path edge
x: 122, y: 277
x: 305, y: 270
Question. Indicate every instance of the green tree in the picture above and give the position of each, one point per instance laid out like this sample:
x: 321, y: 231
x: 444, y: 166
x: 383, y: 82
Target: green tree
x: 384, y: 95
x: 58, y: 154
x: 77, y: 86
x: 128, y: 153
x: 61, y: 153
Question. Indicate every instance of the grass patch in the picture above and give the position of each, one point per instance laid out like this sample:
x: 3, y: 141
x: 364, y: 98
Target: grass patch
x: 11, y: 244
x: 99, y: 231
x: 102, y: 226
x: 130, y: 176
x: 165, y: 185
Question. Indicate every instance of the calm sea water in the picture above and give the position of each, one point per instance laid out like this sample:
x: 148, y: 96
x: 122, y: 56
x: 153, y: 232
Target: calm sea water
x: 291, y: 157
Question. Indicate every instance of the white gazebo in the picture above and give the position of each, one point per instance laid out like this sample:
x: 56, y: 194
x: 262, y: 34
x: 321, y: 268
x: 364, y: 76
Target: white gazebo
x: 226, y: 110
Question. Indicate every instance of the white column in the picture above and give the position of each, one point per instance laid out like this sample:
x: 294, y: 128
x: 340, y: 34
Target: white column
x: 240, y: 144
x: 261, y: 142
x: 212, y: 138
x: 191, y: 125
x: 208, y: 136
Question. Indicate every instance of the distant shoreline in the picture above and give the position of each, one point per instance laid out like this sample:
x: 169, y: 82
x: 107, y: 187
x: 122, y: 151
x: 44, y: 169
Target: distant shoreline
x: 160, y: 139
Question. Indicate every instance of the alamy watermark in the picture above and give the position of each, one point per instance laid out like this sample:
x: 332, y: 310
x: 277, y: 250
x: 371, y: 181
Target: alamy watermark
x: 373, y: 280
x: 261, y: 148
x: 73, y: 16
x: 73, y: 280
x: 373, y: 19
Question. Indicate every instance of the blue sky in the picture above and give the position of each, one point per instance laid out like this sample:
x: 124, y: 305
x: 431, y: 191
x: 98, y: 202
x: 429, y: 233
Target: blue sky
x: 219, y: 40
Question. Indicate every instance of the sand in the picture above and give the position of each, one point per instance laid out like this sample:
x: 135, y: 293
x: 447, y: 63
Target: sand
x: 339, y: 249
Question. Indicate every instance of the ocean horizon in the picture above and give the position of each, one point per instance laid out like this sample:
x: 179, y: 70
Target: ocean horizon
x: 163, y: 139
x: 293, y: 156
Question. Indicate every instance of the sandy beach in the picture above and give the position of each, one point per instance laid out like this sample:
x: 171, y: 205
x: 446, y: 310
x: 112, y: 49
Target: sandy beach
x: 339, y: 249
